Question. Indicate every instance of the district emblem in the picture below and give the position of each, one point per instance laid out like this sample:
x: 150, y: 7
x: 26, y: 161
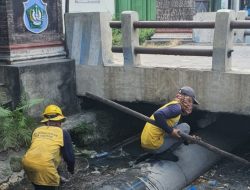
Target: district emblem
x: 35, y: 15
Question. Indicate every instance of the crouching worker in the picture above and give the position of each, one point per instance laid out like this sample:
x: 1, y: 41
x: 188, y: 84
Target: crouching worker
x: 49, y: 143
x: 158, y: 140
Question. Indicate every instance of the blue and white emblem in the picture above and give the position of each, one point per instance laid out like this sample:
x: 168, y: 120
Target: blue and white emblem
x: 35, y: 16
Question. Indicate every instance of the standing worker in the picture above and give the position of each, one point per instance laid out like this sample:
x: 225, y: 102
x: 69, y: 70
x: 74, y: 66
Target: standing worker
x: 158, y: 140
x: 49, y: 143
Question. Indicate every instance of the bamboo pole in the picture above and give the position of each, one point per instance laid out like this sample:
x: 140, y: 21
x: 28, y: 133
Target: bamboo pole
x: 183, y: 135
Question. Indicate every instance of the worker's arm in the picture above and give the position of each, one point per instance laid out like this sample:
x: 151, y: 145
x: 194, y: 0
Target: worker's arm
x: 163, y: 114
x: 67, y: 152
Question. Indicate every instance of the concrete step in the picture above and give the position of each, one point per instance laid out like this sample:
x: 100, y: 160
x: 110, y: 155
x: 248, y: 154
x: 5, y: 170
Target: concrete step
x: 161, y: 38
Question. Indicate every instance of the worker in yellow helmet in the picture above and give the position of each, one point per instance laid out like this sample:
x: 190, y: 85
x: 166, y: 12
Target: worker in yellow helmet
x: 49, y: 143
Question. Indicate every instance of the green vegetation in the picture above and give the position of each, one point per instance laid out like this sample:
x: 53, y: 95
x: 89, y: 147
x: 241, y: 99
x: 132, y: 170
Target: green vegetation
x: 16, y: 125
x: 81, y: 132
x: 116, y: 37
x: 144, y: 34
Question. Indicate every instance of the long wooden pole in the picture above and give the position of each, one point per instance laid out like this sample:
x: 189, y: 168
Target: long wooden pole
x: 183, y: 135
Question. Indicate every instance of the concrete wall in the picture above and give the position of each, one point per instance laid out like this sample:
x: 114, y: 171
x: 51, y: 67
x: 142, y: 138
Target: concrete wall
x: 207, y: 35
x: 52, y: 80
x: 217, y: 92
x: 204, y: 35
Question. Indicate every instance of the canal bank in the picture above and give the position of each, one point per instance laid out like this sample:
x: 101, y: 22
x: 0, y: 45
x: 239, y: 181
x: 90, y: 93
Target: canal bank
x: 93, y: 173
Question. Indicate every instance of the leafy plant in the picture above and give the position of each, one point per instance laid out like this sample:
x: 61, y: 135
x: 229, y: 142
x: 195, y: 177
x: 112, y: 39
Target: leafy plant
x: 144, y: 34
x: 117, y: 37
x: 81, y: 132
x: 16, y: 125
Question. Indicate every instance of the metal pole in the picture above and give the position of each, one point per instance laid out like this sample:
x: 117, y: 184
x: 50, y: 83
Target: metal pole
x: 185, y: 136
x: 167, y: 51
x: 166, y: 24
x: 66, y: 6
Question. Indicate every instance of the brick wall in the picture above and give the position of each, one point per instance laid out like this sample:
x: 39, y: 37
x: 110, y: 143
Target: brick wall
x: 3, y: 24
x: 175, y: 9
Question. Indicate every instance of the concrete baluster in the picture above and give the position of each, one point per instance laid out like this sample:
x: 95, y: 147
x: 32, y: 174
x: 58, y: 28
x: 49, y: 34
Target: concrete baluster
x: 130, y: 38
x: 89, y: 37
x: 223, y: 41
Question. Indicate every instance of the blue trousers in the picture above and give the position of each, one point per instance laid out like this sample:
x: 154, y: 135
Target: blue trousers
x: 170, y: 141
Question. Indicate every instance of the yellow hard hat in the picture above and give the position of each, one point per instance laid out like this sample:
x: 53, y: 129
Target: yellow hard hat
x: 52, y: 113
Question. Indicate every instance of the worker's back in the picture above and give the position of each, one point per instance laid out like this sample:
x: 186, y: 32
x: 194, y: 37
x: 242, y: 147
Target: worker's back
x: 44, y: 155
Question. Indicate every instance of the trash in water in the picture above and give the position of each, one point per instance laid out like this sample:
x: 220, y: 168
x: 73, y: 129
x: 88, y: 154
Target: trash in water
x: 100, y: 155
x: 212, y: 182
x: 192, y: 188
x: 121, y: 170
x: 85, y: 152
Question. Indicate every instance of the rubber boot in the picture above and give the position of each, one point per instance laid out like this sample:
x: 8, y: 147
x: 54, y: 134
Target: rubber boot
x: 143, y: 157
x: 167, y: 155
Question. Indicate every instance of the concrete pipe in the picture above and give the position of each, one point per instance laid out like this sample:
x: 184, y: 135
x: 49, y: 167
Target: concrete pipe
x: 194, y: 160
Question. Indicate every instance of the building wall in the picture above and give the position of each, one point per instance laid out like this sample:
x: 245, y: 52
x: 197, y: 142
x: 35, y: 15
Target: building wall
x: 90, y: 6
x: 76, y: 6
x: 4, y: 40
x: 225, y: 4
x: 175, y: 10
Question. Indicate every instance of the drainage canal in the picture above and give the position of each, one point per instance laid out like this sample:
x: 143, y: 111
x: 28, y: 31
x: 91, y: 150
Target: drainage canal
x: 101, y: 129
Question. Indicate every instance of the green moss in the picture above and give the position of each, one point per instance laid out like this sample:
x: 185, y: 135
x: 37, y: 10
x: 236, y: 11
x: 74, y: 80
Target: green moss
x: 16, y: 164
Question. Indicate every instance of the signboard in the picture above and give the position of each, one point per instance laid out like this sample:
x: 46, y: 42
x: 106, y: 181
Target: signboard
x: 35, y: 16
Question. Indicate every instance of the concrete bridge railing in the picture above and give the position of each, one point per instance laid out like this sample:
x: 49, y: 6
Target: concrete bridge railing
x: 224, y: 34
x: 219, y: 89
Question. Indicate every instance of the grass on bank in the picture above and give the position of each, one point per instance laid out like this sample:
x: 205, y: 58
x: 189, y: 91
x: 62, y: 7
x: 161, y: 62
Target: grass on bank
x: 144, y: 34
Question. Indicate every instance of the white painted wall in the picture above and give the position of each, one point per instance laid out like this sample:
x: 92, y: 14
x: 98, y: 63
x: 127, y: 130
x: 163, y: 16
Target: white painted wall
x: 90, y: 6
x: 224, y: 4
x: 76, y: 6
x: 235, y: 4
